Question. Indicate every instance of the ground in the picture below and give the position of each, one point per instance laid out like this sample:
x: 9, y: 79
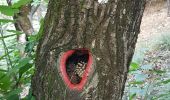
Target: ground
x: 152, y: 54
x: 155, y: 34
x: 155, y: 23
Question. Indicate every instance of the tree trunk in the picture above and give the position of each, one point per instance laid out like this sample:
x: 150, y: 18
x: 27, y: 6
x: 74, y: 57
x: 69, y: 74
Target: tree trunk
x: 105, y: 32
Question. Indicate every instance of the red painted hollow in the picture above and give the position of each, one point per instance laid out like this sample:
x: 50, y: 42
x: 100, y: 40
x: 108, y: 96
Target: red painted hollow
x: 85, y: 75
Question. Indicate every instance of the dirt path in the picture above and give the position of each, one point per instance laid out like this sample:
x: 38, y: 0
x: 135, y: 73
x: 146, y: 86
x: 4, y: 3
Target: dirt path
x: 155, y: 23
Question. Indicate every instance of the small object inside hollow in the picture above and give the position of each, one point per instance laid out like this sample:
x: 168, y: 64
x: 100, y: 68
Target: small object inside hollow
x: 76, y: 65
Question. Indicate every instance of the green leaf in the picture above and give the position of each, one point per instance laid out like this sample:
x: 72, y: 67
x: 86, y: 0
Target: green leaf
x: 14, y: 94
x: 7, y: 10
x: 4, y: 21
x: 136, y: 82
x: 166, y: 81
x: 36, y: 2
x: 5, y: 81
x: 13, y: 97
x: 161, y: 95
x: 20, y: 3
x: 15, y: 31
x: 21, y: 63
x: 132, y: 96
x: 40, y: 32
x: 2, y: 70
x: 158, y: 71
x: 32, y: 38
x: 133, y: 66
x: 25, y: 68
x: 1, y: 57
x: 7, y: 36
x: 46, y: 1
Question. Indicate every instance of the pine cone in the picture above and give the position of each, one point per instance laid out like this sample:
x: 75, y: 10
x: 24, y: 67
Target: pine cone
x: 80, y: 68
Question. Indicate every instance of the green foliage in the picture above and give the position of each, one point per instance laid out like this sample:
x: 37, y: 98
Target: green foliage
x: 157, y: 71
x: 22, y: 63
x: 11, y: 10
x: 13, y: 95
x: 40, y: 32
x: 166, y: 81
x: 8, y: 10
x: 3, y: 56
x: 133, y: 66
x: 143, y: 85
x: 5, y: 82
x: 36, y: 2
x: 4, y: 21
x: 46, y: 1
x: 17, y: 71
x: 15, y: 33
x: 148, y: 79
x: 136, y: 82
x: 21, y: 3
x: 132, y: 96
x: 149, y: 73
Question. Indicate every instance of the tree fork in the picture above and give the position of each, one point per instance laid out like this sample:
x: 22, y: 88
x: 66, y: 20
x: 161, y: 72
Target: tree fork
x: 107, y: 30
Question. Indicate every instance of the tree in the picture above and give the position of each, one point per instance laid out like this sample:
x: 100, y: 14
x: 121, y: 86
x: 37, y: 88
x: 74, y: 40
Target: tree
x: 103, y: 34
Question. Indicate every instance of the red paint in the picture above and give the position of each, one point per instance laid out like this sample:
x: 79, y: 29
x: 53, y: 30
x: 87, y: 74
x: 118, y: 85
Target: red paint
x: 65, y: 77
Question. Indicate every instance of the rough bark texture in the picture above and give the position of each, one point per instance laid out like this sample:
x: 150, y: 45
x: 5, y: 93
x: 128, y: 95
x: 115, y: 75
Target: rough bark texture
x: 108, y: 30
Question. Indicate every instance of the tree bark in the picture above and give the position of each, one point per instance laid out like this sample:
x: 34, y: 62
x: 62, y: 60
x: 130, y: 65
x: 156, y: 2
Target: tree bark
x: 108, y: 30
